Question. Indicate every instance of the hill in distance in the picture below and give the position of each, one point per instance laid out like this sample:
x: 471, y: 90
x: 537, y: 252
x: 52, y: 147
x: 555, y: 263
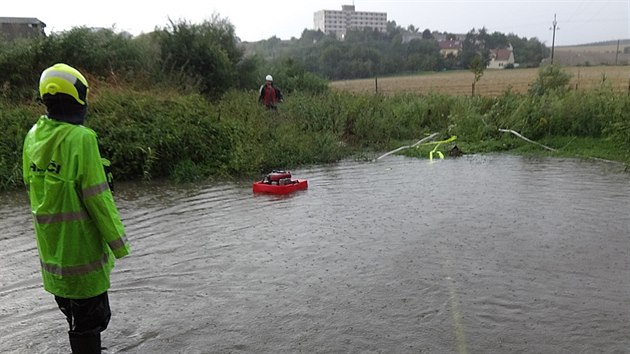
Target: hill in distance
x: 600, y: 53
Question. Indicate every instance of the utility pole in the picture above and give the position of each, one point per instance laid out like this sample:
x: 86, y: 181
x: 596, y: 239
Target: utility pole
x: 553, y: 41
x: 617, y: 53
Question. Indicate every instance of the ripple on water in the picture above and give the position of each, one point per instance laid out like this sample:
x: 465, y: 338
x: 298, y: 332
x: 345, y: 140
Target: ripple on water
x: 477, y: 254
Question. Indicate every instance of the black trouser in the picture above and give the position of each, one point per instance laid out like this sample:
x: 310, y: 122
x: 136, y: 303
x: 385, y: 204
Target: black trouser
x: 87, y: 319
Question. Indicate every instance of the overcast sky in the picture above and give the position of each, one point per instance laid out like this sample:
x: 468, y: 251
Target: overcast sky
x: 578, y: 21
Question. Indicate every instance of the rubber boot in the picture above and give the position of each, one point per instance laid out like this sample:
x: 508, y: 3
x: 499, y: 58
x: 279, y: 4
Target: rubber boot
x: 85, y: 344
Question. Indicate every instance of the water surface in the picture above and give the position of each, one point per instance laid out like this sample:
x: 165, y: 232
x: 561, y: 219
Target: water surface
x: 482, y: 254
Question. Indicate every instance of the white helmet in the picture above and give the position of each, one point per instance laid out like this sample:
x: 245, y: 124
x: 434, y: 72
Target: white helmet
x: 268, y: 78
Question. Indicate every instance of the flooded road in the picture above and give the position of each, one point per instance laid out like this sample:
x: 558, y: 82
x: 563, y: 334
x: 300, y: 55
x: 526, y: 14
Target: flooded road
x: 482, y: 254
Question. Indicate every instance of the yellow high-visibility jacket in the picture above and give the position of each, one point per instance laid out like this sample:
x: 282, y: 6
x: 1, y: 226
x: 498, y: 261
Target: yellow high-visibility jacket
x: 78, y: 229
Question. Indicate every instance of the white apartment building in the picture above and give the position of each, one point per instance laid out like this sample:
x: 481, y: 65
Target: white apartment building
x: 338, y: 22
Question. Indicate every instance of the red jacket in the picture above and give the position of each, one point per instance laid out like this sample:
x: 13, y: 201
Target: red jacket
x: 269, y: 95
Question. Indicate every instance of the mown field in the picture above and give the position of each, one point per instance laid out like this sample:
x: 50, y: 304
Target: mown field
x: 492, y: 83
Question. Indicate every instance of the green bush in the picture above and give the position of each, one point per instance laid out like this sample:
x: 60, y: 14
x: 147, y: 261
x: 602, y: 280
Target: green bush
x: 102, y: 55
x: 502, y: 111
x: 206, y: 52
x: 551, y: 78
x: 15, y: 122
x: 290, y: 76
x: 20, y: 68
x: 146, y: 136
x: 264, y: 140
x: 185, y: 137
x: 410, y: 116
x: 469, y: 122
x: 203, y: 57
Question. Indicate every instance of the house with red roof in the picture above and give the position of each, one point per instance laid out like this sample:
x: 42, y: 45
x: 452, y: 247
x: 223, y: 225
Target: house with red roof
x: 501, y: 58
x: 450, y: 47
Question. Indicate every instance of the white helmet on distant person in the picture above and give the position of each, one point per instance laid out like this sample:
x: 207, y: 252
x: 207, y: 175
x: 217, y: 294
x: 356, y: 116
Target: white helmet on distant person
x: 269, y: 78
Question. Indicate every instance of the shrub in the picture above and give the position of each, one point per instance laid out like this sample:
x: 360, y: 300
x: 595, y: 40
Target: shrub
x: 205, y: 52
x: 290, y: 76
x: 550, y: 78
x: 15, y: 122
x: 146, y: 136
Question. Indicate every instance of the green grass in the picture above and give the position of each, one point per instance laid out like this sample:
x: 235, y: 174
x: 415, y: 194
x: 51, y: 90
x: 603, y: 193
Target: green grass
x: 571, y: 147
x: 185, y: 137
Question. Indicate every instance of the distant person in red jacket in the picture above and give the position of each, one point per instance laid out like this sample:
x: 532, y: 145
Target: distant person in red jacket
x: 269, y: 95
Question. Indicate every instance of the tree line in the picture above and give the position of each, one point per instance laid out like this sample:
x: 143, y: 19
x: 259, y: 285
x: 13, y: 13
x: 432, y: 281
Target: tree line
x: 209, y: 58
x: 368, y: 53
x: 205, y: 58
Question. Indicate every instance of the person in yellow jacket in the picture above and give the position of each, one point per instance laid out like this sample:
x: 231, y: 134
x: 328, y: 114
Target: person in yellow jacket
x: 77, y: 225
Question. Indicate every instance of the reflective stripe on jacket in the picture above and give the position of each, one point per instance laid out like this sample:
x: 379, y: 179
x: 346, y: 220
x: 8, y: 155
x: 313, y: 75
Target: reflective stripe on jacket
x: 78, y: 229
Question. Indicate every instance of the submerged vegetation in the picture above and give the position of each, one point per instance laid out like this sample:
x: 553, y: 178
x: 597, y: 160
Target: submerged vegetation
x: 181, y: 103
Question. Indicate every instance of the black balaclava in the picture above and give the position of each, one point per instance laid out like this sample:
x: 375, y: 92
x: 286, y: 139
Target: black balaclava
x: 65, y: 108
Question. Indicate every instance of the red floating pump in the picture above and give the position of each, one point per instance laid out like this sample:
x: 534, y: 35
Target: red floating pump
x: 276, y: 176
x: 279, y: 182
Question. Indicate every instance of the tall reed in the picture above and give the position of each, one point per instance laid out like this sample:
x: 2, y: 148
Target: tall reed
x: 165, y: 134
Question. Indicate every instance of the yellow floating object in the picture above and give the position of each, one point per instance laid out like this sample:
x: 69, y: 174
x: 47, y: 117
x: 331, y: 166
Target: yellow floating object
x: 437, y: 144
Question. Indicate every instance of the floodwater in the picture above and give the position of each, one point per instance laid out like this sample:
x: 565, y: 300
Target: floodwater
x: 481, y: 254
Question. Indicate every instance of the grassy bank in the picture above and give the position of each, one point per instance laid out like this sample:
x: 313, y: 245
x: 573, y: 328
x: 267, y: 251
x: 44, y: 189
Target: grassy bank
x: 186, y: 137
x: 568, y: 146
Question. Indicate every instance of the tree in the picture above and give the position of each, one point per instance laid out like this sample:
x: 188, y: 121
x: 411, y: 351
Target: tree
x: 310, y: 36
x: 335, y: 59
x: 330, y: 59
x: 475, y: 45
x: 205, y: 55
x: 422, y: 54
x: 370, y: 56
x: 477, y: 66
x: 392, y: 28
x: 528, y: 53
x: 496, y: 40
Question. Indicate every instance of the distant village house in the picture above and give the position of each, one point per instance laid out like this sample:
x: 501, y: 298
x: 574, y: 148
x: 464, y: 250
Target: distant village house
x: 502, y: 58
x: 12, y: 28
x: 450, y: 47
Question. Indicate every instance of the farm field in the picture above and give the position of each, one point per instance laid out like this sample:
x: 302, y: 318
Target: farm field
x: 609, y: 47
x: 492, y: 83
